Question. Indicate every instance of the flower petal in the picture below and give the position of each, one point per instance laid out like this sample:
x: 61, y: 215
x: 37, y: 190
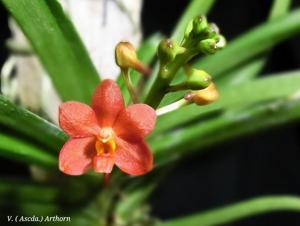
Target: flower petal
x: 107, y: 102
x: 135, y: 122
x: 75, y: 157
x: 133, y: 158
x: 77, y: 119
x: 103, y: 163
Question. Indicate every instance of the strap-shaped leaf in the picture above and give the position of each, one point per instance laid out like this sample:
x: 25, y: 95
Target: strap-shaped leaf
x: 58, y: 46
x: 238, y: 211
x: 15, y: 148
x: 233, y: 123
x: 28, y: 191
x: 34, y: 127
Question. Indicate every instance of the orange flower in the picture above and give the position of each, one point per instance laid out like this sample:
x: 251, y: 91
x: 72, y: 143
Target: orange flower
x: 106, y: 134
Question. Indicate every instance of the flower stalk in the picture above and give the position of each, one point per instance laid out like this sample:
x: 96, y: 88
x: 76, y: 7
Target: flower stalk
x: 172, y: 107
x: 131, y: 89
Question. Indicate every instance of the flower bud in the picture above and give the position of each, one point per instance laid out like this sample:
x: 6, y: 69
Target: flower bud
x: 126, y: 57
x: 188, y: 29
x: 199, y: 24
x: 222, y: 42
x: 168, y: 49
x: 197, y: 79
x: 204, y: 96
x: 208, y: 46
x: 211, y: 32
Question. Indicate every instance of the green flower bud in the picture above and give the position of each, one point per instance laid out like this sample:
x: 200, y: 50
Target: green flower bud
x: 168, y: 49
x: 199, y: 25
x: 188, y: 29
x: 208, y: 46
x: 211, y: 32
x: 197, y: 79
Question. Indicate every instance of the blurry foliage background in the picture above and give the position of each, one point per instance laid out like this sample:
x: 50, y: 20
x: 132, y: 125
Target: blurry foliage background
x: 265, y: 163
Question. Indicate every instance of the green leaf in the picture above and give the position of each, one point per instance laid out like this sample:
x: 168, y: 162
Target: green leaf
x: 58, y: 46
x: 224, y: 126
x: 251, y: 44
x: 262, y: 89
x: 31, y: 125
x: 29, y: 209
x: 24, y: 191
x: 238, y: 211
x: 15, y: 148
x: 243, y: 73
x: 134, y: 195
x: 195, y: 8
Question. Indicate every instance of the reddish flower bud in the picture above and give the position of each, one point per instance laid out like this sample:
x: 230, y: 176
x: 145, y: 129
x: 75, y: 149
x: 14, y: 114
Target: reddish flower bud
x: 204, y: 96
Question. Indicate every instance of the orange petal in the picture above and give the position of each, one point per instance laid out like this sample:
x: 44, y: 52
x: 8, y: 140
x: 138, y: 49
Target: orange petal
x: 133, y: 158
x: 103, y: 163
x: 77, y: 119
x: 107, y: 102
x: 75, y: 157
x: 135, y: 122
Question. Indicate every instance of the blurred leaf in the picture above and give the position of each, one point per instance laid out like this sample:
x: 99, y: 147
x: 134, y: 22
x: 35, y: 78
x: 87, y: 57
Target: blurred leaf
x: 238, y: 211
x: 262, y: 89
x: 243, y: 73
x: 28, y: 209
x: 22, y: 191
x: 252, y: 68
x: 134, y: 195
x: 195, y: 8
x: 230, y: 124
x: 31, y: 125
x: 14, y: 148
x: 58, y: 46
x: 146, y: 52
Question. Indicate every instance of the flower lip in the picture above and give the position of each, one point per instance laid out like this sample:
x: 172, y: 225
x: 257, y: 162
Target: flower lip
x: 105, y: 143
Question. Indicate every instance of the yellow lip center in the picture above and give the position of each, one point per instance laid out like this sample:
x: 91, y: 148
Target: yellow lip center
x: 105, y: 143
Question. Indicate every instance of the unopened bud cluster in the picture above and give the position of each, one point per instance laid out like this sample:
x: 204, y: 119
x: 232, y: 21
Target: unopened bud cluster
x: 203, y: 36
x: 200, y: 37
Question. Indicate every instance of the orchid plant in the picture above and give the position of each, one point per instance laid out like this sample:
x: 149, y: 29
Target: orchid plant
x: 142, y: 122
